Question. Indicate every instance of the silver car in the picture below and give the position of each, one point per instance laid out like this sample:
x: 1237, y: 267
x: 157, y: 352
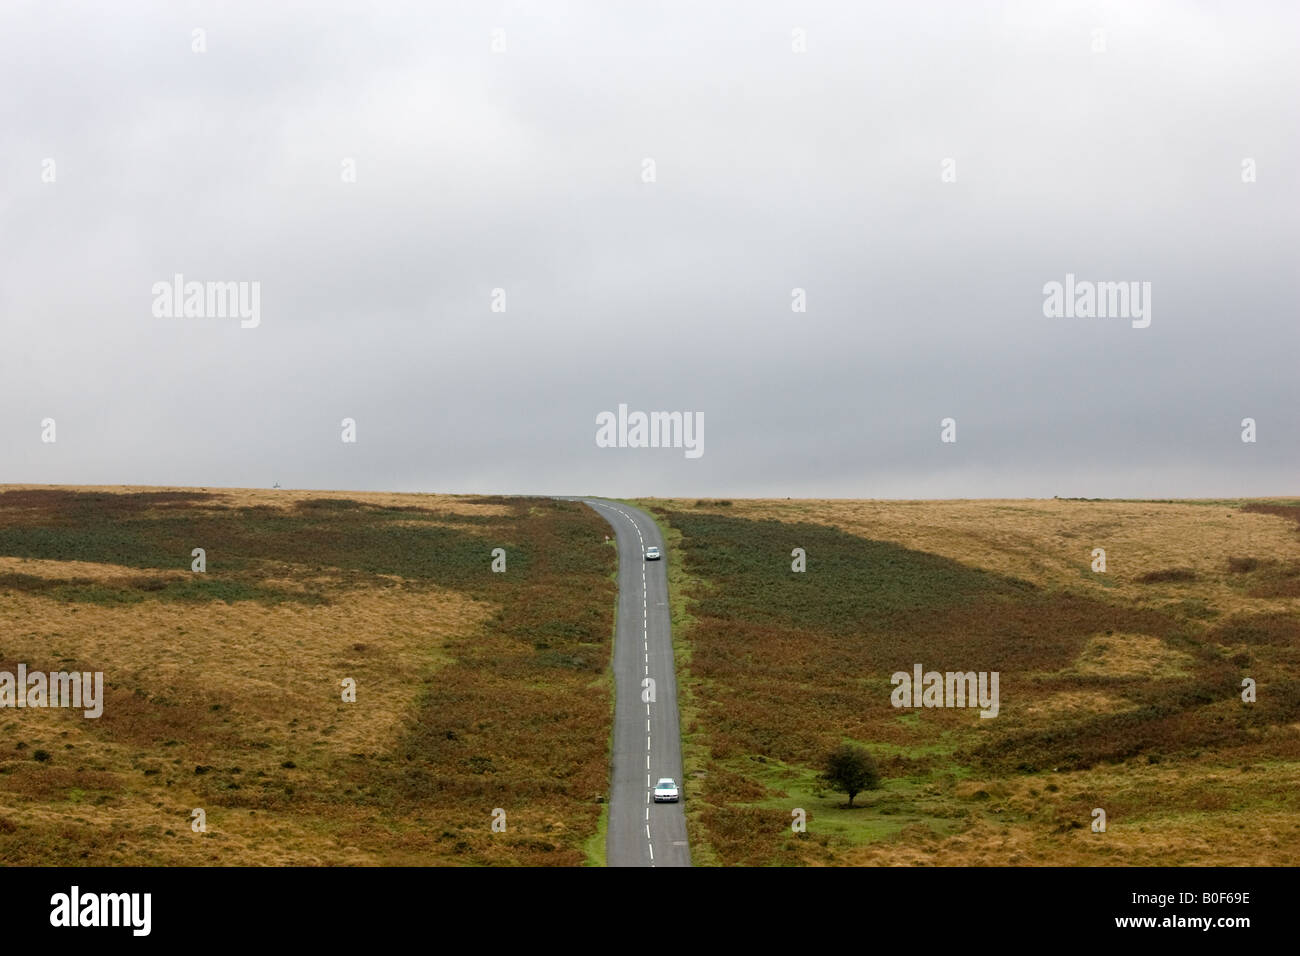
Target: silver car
x: 666, y: 791
x: 652, y: 554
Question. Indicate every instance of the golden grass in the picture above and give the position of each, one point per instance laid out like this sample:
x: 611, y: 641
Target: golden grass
x: 236, y: 707
x: 1050, y: 542
x: 92, y: 570
x: 1197, y: 813
x: 287, y: 497
x: 1119, y: 690
x: 1130, y: 655
x: 1071, y: 704
x: 273, y: 672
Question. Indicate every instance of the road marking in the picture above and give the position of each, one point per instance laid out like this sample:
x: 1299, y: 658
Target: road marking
x: 645, y: 630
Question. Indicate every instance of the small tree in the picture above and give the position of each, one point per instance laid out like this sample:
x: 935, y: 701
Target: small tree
x: 851, y: 770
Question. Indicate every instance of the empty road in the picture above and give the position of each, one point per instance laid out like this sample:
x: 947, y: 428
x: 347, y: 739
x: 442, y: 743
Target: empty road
x: 647, y: 734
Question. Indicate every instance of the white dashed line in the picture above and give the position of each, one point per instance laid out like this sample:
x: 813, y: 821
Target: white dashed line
x: 645, y: 630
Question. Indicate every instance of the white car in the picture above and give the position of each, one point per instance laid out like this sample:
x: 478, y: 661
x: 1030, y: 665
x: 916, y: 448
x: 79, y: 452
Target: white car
x: 666, y: 791
x: 652, y: 554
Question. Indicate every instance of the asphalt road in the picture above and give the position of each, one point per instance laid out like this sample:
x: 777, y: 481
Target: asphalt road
x: 647, y: 736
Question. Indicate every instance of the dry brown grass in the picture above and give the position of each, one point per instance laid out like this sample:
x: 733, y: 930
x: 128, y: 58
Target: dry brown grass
x: 472, y: 505
x: 1070, y: 704
x: 1119, y: 690
x: 273, y: 673
x: 91, y: 570
x: 1051, y: 542
x: 1201, y: 813
x: 468, y: 696
x: 1130, y: 655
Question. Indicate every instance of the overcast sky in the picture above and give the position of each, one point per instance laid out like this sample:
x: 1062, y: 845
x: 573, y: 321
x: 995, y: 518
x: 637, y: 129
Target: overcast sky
x: 524, y: 170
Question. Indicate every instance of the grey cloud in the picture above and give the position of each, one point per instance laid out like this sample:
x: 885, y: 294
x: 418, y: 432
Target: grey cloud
x: 775, y: 171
